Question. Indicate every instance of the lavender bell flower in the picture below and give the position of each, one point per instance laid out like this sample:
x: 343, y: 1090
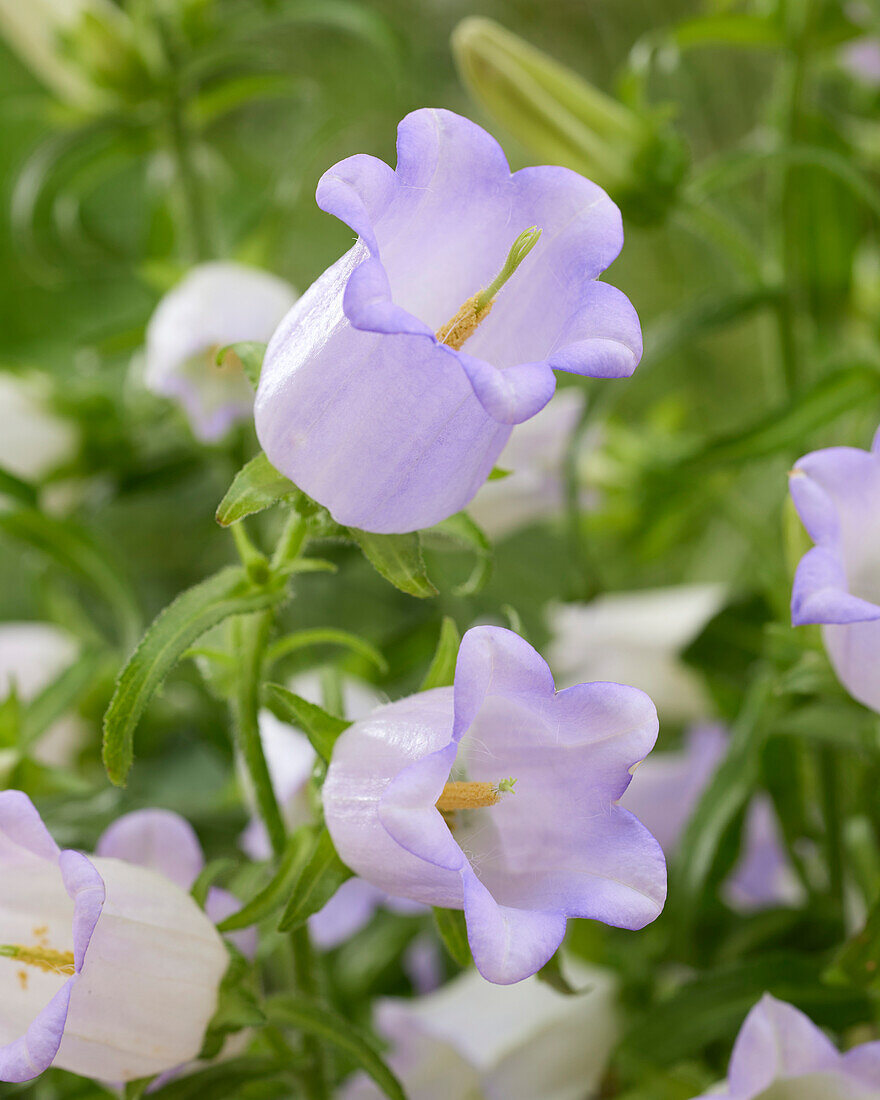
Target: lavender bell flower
x: 472, y: 1039
x: 534, y: 459
x: 837, y: 495
x: 32, y: 655
x: 165, y: 842
x: 499, y: 797
x: 780, y: 1054
x: 390, y: 390
x: 216, y: 304
x: 664, y: 793
x: 106, y: 969
x: 636, y: 638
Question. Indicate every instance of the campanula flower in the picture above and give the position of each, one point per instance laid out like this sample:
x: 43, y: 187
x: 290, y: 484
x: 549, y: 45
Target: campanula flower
x: 637, y: 638
x: 473, y: 1039
x: 533, y: 462
x: 664, y: 793
x: 107, y: 969
x: 165, y: 842
x: 216, y: 304
x: 32, y: 656
x: 391, y: 388
x: 780, y: 1053
x: 34, y: 440
x: 837, y: 583
x: 499, y: 796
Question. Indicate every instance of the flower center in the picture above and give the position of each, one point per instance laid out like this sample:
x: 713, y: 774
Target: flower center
x: 468, y: 795
x: 230, y: 364
x: 478, y: 307
x: 43, y: 958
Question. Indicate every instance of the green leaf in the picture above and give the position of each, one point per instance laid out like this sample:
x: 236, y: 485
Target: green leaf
x: 442, y: 669
x: 320, y: 878
x: 307, y: 1015
x: 722, y: 801
x: 461, y: 531
x: 498, y: 473
x: 305, y: 639
x: 134, y: 1090
x: 75, y: 551
x: 551, y: 974
x: 858, y: 961
x: 208, y: 876
x: 251, y: 356
x: 256, y: 486
x: 22, y: 491
x: 176, y: 628
x: 786, y: 429
x: 227, y: 1079
x: 453, y: 931
x: 10, y: 721
x: 398, y: 558
x: 273, y: 895
x: 712, y: 1007
x: 321, y: 728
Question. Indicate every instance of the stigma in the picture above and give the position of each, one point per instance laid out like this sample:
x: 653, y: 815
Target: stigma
x: 478, y: 307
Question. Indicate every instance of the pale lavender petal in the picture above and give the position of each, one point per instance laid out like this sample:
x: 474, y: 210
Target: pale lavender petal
x: 158, y: 839
x: 763, y: 877
x: 777, y: 1041
x: 837, y: 584
x: 359, y: 404
x: 423, y: 964
x: 347, y: 912
x: 556, y: 846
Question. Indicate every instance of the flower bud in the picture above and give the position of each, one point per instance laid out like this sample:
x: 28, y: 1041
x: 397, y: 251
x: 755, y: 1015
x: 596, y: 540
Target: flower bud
x: 83, y: 50
x: 561, y: 118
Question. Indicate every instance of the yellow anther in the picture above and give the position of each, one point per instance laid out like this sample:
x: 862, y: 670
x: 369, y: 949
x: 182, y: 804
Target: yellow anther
x: 468, y: 795
x: 43, y: 958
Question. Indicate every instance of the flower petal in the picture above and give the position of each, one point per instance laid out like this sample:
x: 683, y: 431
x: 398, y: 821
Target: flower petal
x: 158, y: 839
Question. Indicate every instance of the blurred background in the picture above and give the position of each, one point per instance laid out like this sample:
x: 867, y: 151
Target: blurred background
x: 742, y: 143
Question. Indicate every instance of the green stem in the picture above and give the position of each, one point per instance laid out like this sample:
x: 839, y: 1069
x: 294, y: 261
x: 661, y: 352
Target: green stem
x: 194, y: 208
x: 828, y: 781
x: 250, y: 637
x: 305, y: 970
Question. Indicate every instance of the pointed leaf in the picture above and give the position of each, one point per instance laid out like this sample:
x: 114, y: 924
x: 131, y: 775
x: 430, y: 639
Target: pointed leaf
x: 453, y: 931
x: 398, y: 558
x: 442, y: 670
x: 461, y: 532
x: 320, y: 878
x: 314, y: 1019
x: 319, y: 726
x: 176, y: 628
x: 256, y: 486
x: 305, y: 639
x: 274, y: 894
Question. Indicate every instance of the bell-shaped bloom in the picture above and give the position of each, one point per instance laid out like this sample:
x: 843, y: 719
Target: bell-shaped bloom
x: 215, y: 304
x: 499, y: 796
x: 390, y: 390
x: 664, y: 793
x: 837, y: 495
x: 636, y: 638
x: 107, y: 969
x: 165, y: 842
x: 34, y: 440
x: 533, y: 487
x: 472, y: 1039
x: 32, y: 656
x: 780, y: 1054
